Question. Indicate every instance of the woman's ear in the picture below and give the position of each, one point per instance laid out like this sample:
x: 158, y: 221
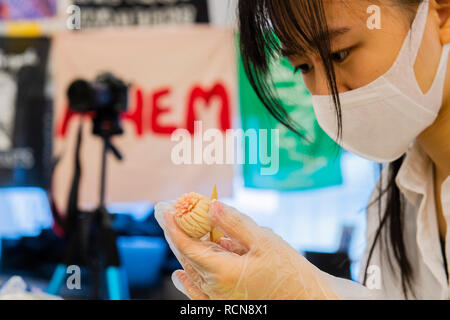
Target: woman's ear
x: 443, y: 8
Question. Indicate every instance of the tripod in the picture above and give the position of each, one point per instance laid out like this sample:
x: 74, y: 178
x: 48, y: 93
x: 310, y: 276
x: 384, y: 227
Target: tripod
x: 91, y: 238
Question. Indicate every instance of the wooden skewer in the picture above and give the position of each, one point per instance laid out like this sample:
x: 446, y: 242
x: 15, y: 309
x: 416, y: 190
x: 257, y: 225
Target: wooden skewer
x: 215, y: 234
x: 214, y: 193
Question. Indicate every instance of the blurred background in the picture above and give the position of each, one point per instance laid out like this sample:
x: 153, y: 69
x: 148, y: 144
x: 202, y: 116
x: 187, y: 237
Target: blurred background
x: 169, y: 64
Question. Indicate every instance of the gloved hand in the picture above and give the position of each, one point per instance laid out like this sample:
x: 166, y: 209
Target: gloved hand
x: 250, y: 263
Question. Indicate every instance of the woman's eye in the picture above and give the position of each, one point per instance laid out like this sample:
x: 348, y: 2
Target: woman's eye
x: 340, y: 56
x: 304, y: 68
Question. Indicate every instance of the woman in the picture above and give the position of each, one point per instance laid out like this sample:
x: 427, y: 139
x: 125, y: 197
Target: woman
x: 381, y: 90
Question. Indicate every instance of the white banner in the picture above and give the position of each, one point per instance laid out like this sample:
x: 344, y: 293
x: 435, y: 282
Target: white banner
x: 178, y: 76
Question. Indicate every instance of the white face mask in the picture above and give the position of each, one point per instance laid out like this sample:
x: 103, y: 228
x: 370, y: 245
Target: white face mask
x: 381, y: 119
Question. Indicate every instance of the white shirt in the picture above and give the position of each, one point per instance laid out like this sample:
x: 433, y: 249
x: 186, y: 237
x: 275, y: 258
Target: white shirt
x: 421, y: 234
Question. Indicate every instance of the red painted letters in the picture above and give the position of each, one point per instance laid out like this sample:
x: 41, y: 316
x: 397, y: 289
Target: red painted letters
x: 155, y: 107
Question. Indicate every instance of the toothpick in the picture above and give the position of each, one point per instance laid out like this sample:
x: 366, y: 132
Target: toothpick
x: 214, y: 193
x: 215, y: 234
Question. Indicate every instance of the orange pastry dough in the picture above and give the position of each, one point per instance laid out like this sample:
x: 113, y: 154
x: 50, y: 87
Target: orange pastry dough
x: 192, y: 214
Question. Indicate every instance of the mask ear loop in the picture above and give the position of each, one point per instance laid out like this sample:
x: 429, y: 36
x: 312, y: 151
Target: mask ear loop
x: 413, y: 41
x: 403, y: 67
x: 437, y: 88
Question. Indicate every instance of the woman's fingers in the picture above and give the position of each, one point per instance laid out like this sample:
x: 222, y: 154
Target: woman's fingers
x: 234, y: 224
x: 160, y: 209
x: 198, y: 252
x: 189, y: 287
x: 232, y: 246
x: 192, y: 273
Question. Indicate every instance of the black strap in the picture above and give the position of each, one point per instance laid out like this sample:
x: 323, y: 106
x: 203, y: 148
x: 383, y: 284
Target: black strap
x: 444, y: 256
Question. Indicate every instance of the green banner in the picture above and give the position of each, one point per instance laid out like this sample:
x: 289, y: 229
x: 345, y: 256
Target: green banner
x: 315, y: 163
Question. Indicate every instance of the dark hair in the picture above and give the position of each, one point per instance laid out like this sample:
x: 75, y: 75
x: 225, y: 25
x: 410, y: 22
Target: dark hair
x: 270, y: 28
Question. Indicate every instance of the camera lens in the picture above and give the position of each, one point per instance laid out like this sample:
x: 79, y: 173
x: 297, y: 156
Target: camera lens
x: 81, y: 96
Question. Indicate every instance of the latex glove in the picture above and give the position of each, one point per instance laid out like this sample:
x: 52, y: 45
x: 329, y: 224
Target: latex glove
x: 253, y: 263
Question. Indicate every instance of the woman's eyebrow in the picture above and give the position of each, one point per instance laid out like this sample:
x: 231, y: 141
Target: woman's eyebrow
x: 332, y: 34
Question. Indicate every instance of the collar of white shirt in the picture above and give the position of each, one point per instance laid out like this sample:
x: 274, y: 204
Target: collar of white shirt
x: 415, y: 180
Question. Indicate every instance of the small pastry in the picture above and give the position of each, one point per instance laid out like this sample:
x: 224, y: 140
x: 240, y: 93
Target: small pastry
x: 192, y: 214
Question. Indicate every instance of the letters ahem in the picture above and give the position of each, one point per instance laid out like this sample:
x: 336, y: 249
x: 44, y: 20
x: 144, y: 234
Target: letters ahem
x: 148, y: 110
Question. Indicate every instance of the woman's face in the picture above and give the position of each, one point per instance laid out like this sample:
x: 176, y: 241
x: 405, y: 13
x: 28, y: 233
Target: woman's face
x: 360, y: 54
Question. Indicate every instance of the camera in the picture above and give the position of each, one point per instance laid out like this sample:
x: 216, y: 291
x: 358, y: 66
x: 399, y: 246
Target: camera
x: 106, y: 98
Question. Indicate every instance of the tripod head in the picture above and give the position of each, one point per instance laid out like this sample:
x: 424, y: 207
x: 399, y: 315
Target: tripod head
x: 106, y: 98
